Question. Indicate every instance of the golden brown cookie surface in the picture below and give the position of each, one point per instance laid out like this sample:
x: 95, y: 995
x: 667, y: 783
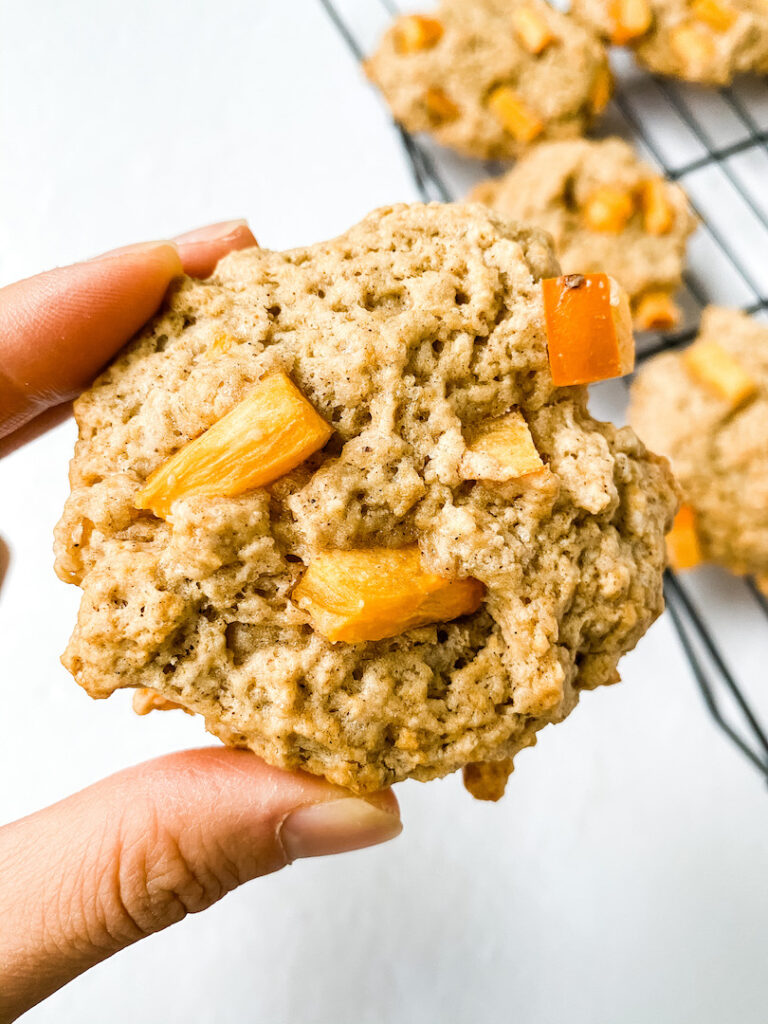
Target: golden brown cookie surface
x: 409, y: 335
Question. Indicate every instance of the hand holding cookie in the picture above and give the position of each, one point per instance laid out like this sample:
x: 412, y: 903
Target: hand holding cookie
x: 57, y: 330
x: 138, y: 851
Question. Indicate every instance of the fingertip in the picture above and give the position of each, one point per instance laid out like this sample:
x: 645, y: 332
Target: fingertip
x: 220, y: 231
x: 242, y: 237
x: 337, y: 826
x: 384, y: 799
x: 202, y: 248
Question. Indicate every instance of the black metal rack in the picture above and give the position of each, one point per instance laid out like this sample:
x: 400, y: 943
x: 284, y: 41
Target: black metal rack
x: 717, y: 132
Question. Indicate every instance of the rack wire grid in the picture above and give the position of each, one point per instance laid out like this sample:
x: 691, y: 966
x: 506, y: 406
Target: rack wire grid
x: 714, y: 142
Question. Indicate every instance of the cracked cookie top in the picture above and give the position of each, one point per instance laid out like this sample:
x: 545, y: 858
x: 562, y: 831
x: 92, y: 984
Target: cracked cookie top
x: 457, y: 552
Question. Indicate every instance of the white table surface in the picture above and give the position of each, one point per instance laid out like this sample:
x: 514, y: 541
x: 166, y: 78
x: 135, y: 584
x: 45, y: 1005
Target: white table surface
x: 623, y: 877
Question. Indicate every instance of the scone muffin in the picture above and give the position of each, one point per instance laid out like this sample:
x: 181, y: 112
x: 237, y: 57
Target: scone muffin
x: 339, y: 501
x: 491, y: 77
x: 707, y: 41
x: 607, y: 210
x: 706, y: 408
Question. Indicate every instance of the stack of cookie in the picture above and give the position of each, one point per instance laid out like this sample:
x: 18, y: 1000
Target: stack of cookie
x: 520, y: 80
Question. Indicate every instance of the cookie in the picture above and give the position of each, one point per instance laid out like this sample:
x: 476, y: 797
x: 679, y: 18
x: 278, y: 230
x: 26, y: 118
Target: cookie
x: 707, y: 41
x: 331, y: 500
x: 606, y: 210
x: 490, y: 78
x: 706, y: 408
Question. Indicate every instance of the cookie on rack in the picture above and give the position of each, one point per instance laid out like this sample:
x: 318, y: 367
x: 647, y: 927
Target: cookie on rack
x: 490, y: 78
x: 344, y: 502
x: 707, y: 41
x: 607, y: 210
x: 706, y: 408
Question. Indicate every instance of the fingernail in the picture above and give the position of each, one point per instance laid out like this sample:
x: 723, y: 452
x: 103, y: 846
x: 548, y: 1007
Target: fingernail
x: 137, y: 247
x: 212, y: 232
x: 335, y: 827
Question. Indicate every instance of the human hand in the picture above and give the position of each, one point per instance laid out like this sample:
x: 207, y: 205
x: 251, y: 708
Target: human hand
x: 138, y: 851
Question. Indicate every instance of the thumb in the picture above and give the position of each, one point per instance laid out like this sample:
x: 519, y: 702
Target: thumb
x: 58, y: 329
x: 144, y: 848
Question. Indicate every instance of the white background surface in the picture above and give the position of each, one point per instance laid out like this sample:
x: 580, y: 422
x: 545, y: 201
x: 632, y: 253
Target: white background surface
x: 623, y: 877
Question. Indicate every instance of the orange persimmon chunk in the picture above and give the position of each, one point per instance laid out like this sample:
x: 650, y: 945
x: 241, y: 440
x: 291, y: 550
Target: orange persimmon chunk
x: 268, y: 433
x: 608, y: 209
x: 719, y: 372
x: 589, y: 328
x: 718, y: 16
x: 439, y: 105
x: 658, y: 214
x: 531, y: 29
x: 630, y: 18
x: 514, y: 115
x: 683, y: 548
x: 220, y: 345
x: 355, y: 596
x: 501, y: 449
x: 655, y: 311
x: 602, y: 89
x: 415, y: 32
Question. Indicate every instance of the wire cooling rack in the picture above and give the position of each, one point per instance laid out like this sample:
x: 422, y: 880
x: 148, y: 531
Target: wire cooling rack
x: 715, y: 143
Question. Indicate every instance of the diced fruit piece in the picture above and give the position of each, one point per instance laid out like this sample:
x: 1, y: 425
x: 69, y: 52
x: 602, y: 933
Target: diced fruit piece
x: 501, y: 449
x: 268, y: 433
x: 513, y: 114
x: 608, y: 209
x: 487, y: 780
x: 532, y: 29
x: 415, y: 32
x: 683, y: 548
x: 655, y: 311
x: 658, y: 213
x: 717, y: 15
x: 719, y: 372
x: 693, y: 44
x: 440, y: 106
x: 762, y: 583
x: 630, y: 18
x: 146, y: 700
x: 355, y: 596
x: 221, y: 343
x: 589, y: 328
x: 602, y: 89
